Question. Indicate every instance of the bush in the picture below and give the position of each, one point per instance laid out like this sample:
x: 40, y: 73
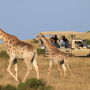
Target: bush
x: 33, y: 84
x: 3, y: 54
x: 30, y: 84
x: 22, y: 86
x: 40, y: 51
x: 45, y: 88
x: 8, y: 87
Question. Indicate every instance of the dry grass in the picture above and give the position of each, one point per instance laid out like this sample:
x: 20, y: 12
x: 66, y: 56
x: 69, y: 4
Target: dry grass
x: 87, y: 35
x: 79, y: 80
x: 84, y: 36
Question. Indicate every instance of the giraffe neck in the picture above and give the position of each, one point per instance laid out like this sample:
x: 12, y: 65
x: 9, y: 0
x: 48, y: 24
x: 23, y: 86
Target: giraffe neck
x: 52, y: 49
x: 48, y: 45
x: 7, y: 38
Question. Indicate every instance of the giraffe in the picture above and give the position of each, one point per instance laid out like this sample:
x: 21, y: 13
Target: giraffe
x: 55, y: 55
x: 19, y: 50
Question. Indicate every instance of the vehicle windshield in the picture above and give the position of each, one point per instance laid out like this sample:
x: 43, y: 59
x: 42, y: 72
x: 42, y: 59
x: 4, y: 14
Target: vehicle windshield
x: 86, y: 43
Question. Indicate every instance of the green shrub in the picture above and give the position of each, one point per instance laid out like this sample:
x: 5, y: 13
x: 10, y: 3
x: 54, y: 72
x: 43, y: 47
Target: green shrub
x: 3, y: 54
x: 22, y: 86
x: 45, y: 88
x: 40, y: 51
x: 30, y: 84
x: 8, y: 87
x: 33, y: 84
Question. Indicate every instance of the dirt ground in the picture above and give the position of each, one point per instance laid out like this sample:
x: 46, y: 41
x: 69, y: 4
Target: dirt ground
x: 79, y: 80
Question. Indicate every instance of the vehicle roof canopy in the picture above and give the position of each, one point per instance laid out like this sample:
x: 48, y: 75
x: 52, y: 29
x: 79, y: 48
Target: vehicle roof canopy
x: 62, y: 33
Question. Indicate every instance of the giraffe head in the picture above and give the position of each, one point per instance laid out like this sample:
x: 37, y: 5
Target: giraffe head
x: 40, y: 35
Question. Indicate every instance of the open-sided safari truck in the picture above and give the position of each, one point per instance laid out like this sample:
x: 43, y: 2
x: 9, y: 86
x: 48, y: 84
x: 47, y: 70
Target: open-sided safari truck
x: 77, y: 46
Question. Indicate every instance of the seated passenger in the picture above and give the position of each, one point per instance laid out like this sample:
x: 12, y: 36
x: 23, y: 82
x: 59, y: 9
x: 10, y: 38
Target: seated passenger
x: 54, y: 41
x: 79, y: 44
x: 64, y: 41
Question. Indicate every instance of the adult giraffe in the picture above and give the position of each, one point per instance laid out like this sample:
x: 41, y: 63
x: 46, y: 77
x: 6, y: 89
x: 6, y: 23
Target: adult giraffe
x: 17, y: 50
x: 55, y: 55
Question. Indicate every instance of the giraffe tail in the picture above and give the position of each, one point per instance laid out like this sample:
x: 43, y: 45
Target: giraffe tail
x: 34, y: 55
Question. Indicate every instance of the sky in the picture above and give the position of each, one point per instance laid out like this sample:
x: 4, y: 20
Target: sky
x: 26, y: 18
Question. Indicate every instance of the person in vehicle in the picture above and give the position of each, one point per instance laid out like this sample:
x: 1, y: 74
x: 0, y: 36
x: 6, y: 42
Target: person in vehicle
x: 54, y: 41
x: 79, y: 44
x: 64, y: 41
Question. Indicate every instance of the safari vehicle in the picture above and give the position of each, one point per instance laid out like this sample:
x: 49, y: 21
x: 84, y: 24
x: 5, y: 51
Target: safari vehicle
x: 77, y: 46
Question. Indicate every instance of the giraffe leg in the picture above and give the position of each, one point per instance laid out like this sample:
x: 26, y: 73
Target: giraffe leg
x: 29, y: 64
x: 28, y: 61
x: 26, y: 75
x: 50, y: 65
x: 8, y: 69
x: 58, y: 67
x: 15, y: 67
x: 28, y: 69
x: 36, y: 67
x: 68, y: 66
x: 64, y: 69
x: 34, y: 62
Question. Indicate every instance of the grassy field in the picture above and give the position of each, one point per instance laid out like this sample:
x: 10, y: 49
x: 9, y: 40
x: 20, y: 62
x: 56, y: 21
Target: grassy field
x: 79, y: 80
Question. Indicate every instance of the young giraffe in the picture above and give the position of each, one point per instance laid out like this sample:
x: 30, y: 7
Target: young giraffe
x: 17, y: 50
x: 55, y: 55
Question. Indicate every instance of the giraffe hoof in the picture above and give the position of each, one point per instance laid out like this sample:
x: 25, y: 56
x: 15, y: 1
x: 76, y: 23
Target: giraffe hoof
x: 19, y: 79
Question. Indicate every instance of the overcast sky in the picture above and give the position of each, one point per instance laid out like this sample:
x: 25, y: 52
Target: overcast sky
x: 26, y: 18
